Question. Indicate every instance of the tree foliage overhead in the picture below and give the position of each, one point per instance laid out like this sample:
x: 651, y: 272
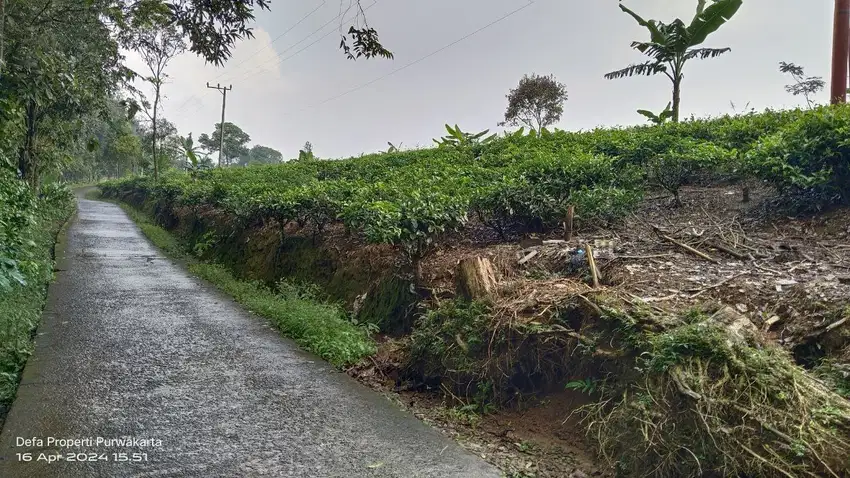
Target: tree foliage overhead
x: 672, y: 45
x: 212, y: 28
x: 363, y: 38
x: 60, y: 64
x: 537, y: 102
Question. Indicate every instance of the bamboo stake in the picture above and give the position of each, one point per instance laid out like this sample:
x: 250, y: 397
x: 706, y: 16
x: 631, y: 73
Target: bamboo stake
x: 594, y: 273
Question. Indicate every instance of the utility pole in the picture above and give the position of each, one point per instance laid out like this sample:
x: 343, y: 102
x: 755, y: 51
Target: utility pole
x: 224, y: 90
x: 840, y: 52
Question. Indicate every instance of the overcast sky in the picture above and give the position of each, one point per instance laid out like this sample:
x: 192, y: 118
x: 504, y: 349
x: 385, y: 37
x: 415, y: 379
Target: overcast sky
x: 285, y: 94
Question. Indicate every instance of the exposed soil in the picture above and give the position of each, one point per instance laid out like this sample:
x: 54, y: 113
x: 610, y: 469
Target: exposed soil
x: 539, y: 440
x: 789, y: 275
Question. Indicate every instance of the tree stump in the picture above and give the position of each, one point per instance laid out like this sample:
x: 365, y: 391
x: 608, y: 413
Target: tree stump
x: 475, y: 278
x: 739, y: 327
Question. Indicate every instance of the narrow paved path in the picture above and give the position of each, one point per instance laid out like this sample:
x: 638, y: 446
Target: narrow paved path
x: 131, y: 345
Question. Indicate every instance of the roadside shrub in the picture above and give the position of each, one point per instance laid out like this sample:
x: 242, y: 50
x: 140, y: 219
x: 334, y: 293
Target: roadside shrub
x: 538, y: 191
x: 517, y: 204
x: 17, y: 216
x: 690, y: 396
x: 55, y: 195
x: 28, y: 227
x: 604, y: 205
x: 447, y: 344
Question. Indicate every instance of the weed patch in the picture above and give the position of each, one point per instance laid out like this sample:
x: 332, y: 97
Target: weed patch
x: 700, y: 399
x: 320, y: 328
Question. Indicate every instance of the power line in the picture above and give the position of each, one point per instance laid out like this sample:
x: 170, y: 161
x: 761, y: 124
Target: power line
x: 258, y: 69
x: 183, y: 105
x: 364, y: 85
x: 278, y: 37
x: 279, y: 61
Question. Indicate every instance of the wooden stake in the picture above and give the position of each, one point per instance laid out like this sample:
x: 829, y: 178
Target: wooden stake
x: 690, y: 249
x: 594, y: 273
x: 727, y: 250
x: 568, y: 226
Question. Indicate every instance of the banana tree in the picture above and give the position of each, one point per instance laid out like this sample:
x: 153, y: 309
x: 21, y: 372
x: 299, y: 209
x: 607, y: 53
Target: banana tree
x: 191, y: 152
x: 673, y: 44
x: 659, y: 118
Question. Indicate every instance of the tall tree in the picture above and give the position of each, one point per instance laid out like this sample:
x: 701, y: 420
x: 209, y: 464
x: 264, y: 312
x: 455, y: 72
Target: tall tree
x: 235, y: 143
x: 537, y: 102
x: 672, y: 45
x: 803, y: 85
x: 261, y: 155
x: 52, y: 78
x: 166, y: 136
x: 157, y: 45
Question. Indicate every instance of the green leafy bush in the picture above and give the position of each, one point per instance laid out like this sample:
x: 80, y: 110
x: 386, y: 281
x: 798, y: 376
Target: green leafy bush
x: 28, y: 227
x: 675, y: 168
x: 812, y: 154
x: 514, y: 184
x: 17, y: 216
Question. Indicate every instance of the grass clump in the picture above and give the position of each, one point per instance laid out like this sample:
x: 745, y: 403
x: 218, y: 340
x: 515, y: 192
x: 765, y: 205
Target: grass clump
x: 697, y: 400
x: 836, y: 375
x: 447, y: 346
x: 321, y: 328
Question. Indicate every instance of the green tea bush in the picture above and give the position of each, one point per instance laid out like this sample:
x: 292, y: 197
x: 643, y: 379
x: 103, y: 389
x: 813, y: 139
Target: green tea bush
x: 516, y: 183
x: 676, y: 168
x: 812, y: 154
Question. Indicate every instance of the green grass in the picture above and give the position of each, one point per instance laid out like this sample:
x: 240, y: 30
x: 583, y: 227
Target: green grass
x: 321, y: 328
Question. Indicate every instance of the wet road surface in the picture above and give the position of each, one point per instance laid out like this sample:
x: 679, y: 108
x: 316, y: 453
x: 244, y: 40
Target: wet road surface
x: 132, y: 346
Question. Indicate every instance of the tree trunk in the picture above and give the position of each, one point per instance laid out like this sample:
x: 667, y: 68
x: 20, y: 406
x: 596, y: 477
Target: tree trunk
x: 2, y: 34
x: 677, y: 91
x: 153, y: 145
x: 26, y: 162
x: 475, y: 278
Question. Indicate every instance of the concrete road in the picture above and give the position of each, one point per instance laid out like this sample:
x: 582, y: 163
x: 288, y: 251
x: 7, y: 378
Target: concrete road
x: 132, y: 348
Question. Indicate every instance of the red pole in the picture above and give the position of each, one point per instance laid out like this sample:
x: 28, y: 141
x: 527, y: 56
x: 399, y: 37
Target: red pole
x: 840, y: 52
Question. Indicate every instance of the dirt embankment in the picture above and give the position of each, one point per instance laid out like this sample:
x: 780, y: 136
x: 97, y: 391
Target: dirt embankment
x: 690, y: 296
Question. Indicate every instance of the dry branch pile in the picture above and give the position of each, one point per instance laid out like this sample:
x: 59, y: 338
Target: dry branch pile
x: 678, y: 395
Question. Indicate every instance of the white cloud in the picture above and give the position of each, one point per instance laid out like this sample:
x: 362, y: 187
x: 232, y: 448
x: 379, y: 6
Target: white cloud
x: 254, y: 72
